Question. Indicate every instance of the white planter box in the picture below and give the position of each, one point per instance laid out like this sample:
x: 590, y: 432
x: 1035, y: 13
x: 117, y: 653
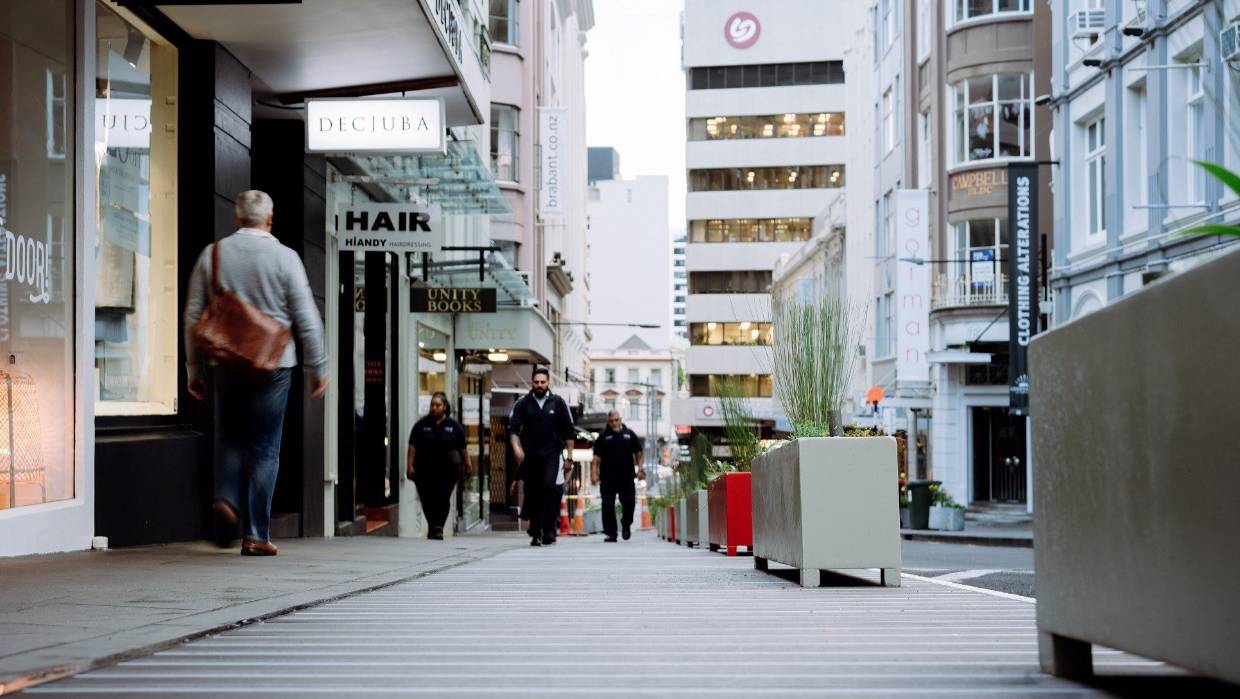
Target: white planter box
x: 906, y: 521
x: 946, y: 519
x: 829, y: 503
x: 697, y: 519
x: 594, y: 521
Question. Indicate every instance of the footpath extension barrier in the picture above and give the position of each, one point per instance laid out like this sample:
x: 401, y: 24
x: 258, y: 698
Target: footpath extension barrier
x: 731, y: 512
x: 1136, y: 474
x: 697, y: 520
x: 828, y: 503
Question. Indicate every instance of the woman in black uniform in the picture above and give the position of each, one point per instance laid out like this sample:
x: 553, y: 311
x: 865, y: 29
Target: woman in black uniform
x: 436, y: 448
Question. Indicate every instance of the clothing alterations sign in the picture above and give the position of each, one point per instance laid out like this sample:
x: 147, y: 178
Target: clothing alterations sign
x: 389, y: 228
x: 1022, y: 270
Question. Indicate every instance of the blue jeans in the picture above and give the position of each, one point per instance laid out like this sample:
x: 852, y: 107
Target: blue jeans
x: 249, y: 422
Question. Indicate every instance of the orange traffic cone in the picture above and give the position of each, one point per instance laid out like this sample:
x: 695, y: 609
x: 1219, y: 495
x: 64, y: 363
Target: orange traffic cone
x: 647, y: 523
x: 579, y: 517
x: 563, y: 517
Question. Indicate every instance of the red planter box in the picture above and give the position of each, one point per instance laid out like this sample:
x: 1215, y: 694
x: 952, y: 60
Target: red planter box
x: 671, y: 524
x: 730, y: 502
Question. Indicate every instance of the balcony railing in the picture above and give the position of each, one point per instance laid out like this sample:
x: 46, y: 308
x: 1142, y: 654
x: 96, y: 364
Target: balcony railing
x: 957, y: 291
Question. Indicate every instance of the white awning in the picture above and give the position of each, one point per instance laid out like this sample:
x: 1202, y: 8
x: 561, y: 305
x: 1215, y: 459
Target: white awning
x: 957, y: 356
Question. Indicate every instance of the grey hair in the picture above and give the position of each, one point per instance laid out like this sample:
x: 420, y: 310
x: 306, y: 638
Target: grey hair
x: 253, y: 207
x: 613, y: 412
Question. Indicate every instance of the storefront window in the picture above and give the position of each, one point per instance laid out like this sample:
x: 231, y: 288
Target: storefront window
x: 749, y: 386
x: 37, y: 165
x: 136, y: 304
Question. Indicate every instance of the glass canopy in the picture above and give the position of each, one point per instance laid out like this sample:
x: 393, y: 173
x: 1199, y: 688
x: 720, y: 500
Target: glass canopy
x: 459, y: 181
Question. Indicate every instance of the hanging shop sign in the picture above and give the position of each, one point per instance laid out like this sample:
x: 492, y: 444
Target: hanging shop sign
x: 395, y: 125
x: 1022, y: 280
x: 449, y: 22
x: 551, y: 123
x: 448, y: 300
x: 389, y: 228
x: 912, y: 284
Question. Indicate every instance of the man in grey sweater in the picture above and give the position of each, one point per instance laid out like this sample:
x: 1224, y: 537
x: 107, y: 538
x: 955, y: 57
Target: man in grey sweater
x: 249, y: 415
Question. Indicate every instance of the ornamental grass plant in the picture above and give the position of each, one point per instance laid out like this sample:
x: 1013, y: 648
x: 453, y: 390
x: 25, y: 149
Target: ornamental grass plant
x: 739, y: 425
x: 815, y: 357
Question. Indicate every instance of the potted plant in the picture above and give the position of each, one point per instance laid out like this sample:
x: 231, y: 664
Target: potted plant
x: 729, y: 491
x: 945, y: 513
x: 823, y: 500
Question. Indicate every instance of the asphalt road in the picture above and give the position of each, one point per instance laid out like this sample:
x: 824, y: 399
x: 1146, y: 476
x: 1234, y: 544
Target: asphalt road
x: 998, y: 568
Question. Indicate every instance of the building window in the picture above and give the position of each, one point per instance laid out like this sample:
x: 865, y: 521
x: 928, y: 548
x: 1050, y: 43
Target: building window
x: 740, y: 333
x: 609, y: 375
x: 751, y: 230
x: 37, y: 174
x: 609, y: 404
x: 888, y: 121
x: 1095, y: 175
x: 505, y: 142
x: 760, y: 178
x: 656, y: 377
x: 888, y: 10
x: 634, y: 409
x: 924, y: 164
x: 923, y: 30
x: 749, y: 385
x: 981, y: 247
x: 768, y: 75
x: 634, y: 377
x: 993, y: 118
x: 1136, y: 172
x: 656, y: 407
x: 964, y: 10
x: 503, y: 21
x: 136, y: 317
x: 741, y: 282
x: 885, y: 327
x: 885, y: 209
x: 768, y: 126
x: 1197, y: 143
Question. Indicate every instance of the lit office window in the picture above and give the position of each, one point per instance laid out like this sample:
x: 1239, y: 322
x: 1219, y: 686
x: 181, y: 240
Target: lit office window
x: 738, y: 333
x: 751, y: 230
x: 748, y: 385
x: 724, y: 128
x: 763, y: 178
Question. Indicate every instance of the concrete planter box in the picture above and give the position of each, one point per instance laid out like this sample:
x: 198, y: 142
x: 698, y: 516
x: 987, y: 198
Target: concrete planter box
x: 828, y: 503
x: 697, y: 519
x: 594, y: 521
x: 1135, y: 464
x: 906, y: 519
x: 682, y: 517
x: 946, y: 519
x: 731, y: 512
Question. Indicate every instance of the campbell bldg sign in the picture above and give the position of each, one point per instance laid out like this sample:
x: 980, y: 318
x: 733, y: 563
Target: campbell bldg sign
x: 395, y: 125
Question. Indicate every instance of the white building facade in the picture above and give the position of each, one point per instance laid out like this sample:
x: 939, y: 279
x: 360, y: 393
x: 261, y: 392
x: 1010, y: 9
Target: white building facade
x: 1139, y: 93
x: 765, y: 107
x: 636, y: 380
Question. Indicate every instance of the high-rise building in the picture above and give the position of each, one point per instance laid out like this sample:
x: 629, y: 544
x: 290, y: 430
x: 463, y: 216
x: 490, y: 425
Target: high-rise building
x: 765, y: 107
x: 680, y: 287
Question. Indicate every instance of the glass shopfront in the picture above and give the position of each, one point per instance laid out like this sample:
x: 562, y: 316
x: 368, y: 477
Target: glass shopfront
x: 37, y: 271
x: 136, y: 304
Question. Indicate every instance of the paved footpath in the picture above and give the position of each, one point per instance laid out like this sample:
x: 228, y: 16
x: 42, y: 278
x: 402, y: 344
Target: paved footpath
x: 642, y: 618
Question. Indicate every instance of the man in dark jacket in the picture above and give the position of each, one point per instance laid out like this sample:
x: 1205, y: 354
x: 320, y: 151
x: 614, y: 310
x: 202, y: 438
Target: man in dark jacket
x: 617, y: 458
x: 540, y: 429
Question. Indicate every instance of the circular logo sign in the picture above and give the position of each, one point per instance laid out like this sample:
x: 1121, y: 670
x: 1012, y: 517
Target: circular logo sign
x: 708, y: 411
x: 742, y: 30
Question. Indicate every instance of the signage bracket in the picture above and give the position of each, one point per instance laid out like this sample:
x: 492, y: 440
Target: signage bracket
x: 482, y: 251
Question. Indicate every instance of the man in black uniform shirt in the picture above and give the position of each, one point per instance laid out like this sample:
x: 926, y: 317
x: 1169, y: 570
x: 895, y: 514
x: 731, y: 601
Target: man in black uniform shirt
x: 540, y: 428
x: 617, y: 455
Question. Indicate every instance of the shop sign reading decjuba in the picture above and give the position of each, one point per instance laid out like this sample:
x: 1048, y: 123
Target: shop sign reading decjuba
x: 389, y: 228
x: 441, y: 300
x: 395, y: 125
x: 1022, y: 280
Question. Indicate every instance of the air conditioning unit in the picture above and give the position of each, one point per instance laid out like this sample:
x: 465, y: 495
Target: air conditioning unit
x: 1229, y: 42
x: 1087, y: 24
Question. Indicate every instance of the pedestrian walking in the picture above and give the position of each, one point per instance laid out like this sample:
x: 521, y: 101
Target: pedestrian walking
x: 245, y: 294
x: 540, y: 429
x: 617, y: 459
x: 436, y: 452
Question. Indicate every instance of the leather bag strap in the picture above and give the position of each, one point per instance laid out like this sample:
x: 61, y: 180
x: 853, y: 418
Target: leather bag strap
x: 215, y: 268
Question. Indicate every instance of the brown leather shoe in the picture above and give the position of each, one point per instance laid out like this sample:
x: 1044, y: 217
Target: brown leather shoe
x: 254, y: 547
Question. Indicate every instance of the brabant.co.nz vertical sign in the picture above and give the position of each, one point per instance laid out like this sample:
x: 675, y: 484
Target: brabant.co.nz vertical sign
x: 1022, y: 269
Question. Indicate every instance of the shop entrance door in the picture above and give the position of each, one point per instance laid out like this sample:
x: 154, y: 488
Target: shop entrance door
x: 998, y: 456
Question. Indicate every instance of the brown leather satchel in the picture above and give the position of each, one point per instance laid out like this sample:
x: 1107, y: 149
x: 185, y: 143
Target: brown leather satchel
x: 235, y: 334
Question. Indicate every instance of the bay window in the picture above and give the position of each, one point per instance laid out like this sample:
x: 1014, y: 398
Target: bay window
x: 503, y: 21
x: 992, y: 118
x: 965, y: 10
x: 505, y: 142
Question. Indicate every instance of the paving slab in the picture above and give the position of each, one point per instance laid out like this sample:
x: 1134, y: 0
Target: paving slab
x: 64, y: 613
x: 638, y: 618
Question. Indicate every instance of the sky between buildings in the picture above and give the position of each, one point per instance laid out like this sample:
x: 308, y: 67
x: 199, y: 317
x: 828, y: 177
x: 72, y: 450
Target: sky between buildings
x: 635, y: 91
